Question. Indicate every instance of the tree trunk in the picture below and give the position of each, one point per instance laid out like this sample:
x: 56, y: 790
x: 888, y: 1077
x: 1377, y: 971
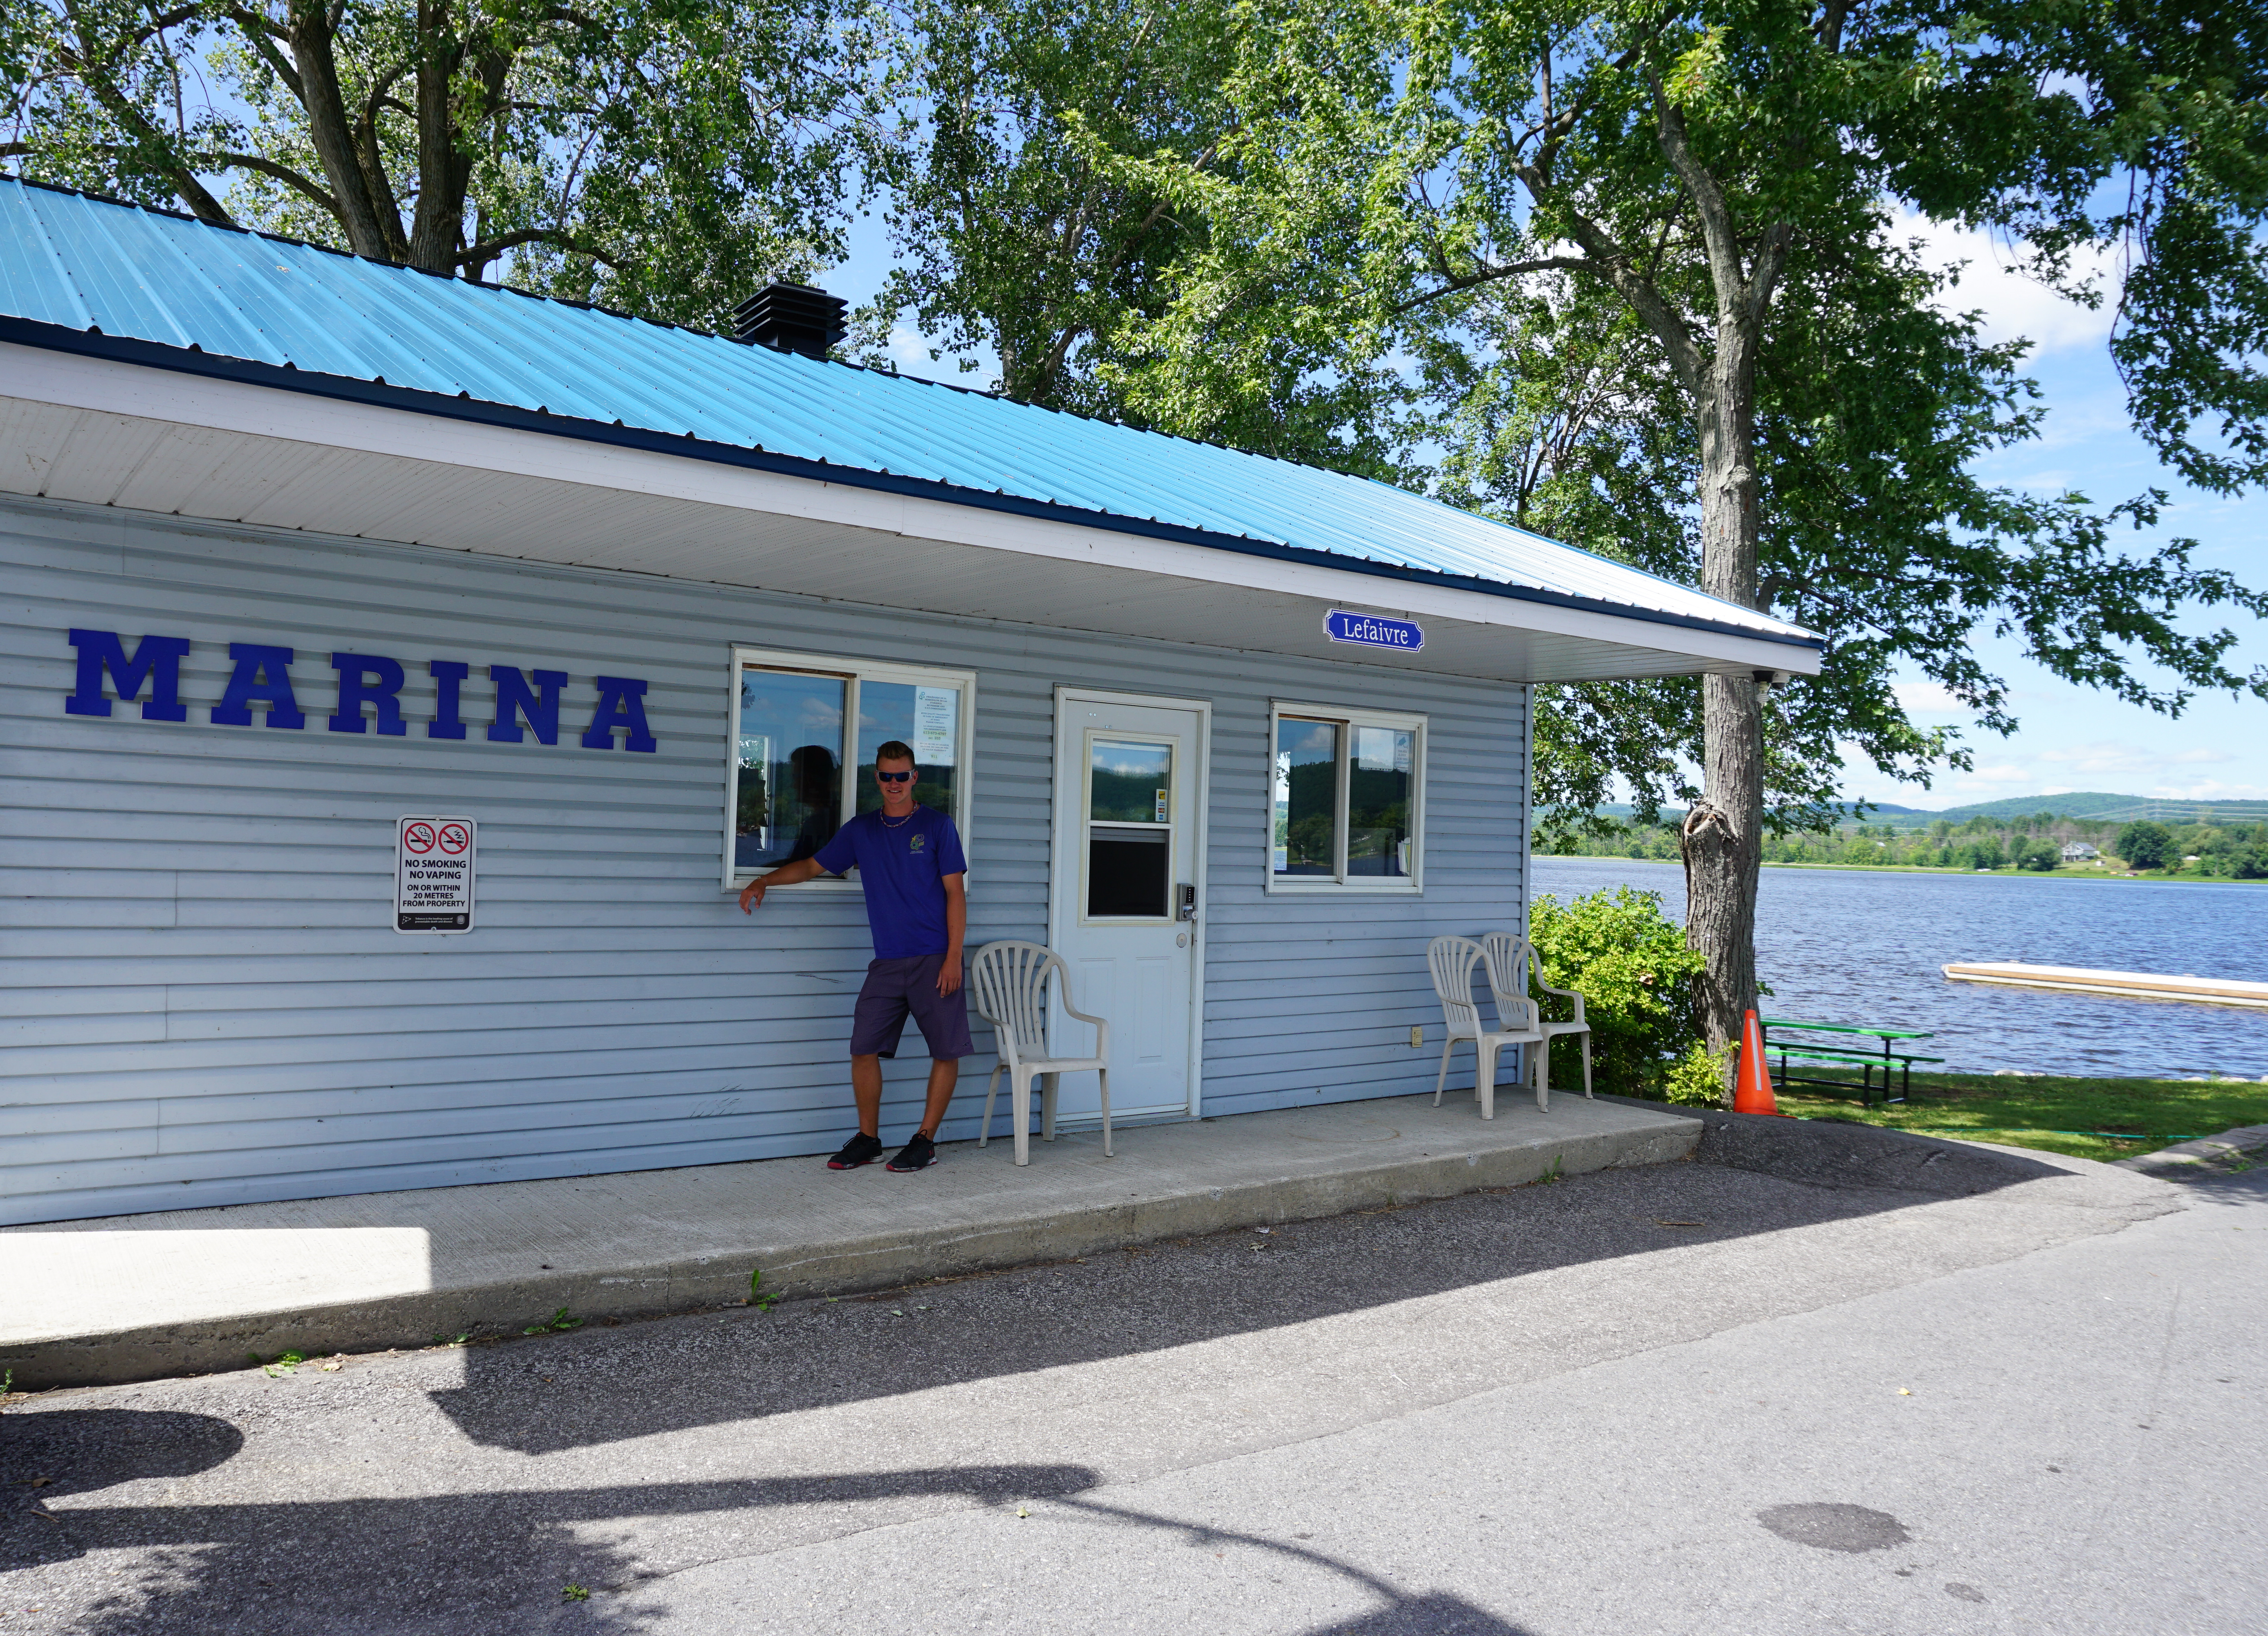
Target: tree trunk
x: 436, y: 232
x: 1721, y: 835
x: 332, y: 132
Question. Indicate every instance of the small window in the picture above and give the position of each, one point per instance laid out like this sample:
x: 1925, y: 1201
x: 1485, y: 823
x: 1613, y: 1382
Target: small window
x: 1345, y: 798
x: 1129, y: 834
x: 805, y: 730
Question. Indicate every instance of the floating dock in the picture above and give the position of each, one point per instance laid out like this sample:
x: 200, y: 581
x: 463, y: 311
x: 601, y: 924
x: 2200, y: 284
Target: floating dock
x: 2131, y: 984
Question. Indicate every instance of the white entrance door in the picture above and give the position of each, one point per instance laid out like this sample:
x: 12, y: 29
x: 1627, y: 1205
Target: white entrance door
x: 1126, y: 909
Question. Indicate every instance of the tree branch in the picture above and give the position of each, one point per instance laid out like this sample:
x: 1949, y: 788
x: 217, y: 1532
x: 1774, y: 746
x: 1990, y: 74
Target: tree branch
x: 1451, y: 283
x: 488, y: 250
x: 283, y: 173
x: 1719, y: 239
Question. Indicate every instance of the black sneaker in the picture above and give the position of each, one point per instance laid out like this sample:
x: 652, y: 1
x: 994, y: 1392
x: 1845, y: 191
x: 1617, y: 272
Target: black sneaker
x: 861, y: 1149
x: 918, y: 1154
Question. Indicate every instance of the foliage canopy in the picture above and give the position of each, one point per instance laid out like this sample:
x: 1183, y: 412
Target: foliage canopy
x: 663, y: 156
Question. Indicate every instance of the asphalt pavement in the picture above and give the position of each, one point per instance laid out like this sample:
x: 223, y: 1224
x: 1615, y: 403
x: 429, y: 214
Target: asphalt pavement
x: 1756, y: 1393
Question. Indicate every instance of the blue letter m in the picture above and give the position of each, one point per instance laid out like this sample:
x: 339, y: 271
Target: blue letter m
x: 157, y: 661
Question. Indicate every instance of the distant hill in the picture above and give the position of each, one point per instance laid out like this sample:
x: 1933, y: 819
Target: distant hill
x: 2073, y: 804
x: 1677, y: 815
x: 2083, y: 804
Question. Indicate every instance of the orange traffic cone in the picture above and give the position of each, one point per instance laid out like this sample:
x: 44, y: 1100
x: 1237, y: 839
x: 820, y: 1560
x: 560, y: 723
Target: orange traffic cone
x: 1752, y: 1091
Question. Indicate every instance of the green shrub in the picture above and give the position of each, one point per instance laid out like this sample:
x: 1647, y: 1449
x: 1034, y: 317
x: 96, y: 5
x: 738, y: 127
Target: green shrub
x: 1696, y: 1080
x: 1640, y: 987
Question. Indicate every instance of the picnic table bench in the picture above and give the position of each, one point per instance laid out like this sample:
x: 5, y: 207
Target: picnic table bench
x: 1894, y: 1063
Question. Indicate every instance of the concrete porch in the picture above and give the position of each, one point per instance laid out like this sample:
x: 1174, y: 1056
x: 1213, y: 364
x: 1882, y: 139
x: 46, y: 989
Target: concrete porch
x: 138, y: 1297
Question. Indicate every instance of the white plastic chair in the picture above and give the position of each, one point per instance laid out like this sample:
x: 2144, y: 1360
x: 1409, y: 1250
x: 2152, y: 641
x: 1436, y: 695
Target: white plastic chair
x: 1008, y: 983
x: 1510, y: 961
x: 1451, y: 960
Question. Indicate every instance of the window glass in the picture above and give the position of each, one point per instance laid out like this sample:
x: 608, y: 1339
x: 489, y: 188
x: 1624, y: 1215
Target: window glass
x: 1126, y: 872
x: 929, y: 719
x: 789, y: 792
x: 1378, y: 802
x: 1307, y: 798
x: 1130, y: 783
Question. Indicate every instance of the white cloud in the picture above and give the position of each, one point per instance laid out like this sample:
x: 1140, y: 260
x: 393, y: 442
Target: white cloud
x: 2118, y: 758
x: 2012, y: 304
x: 908, y: 346
x: 2211, y: 790
x: 1928, y: 698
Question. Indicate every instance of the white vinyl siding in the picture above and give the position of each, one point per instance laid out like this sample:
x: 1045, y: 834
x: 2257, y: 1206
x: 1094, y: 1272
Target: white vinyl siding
x: 202, y: 1002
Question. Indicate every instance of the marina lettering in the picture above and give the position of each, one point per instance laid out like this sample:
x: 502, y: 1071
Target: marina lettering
x: 369, y: 693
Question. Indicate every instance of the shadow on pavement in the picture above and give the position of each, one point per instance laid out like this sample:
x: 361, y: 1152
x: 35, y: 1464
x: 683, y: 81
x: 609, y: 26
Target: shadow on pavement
x: 813, y: 1354
x: 1433, y: 1613
x: 439, y: 1563
x: 76, y: 1449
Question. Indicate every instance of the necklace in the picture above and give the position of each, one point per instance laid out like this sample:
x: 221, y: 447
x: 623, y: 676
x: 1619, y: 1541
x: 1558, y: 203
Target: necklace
x: 900, y: 823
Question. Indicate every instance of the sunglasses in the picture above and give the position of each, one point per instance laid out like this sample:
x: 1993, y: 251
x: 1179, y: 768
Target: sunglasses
x: 894, y: 778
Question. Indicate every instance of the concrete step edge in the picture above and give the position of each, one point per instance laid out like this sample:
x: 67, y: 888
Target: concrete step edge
x: 845, y: 1267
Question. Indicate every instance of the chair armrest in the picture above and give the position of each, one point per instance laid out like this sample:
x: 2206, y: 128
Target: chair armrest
x: 1101, y: 1029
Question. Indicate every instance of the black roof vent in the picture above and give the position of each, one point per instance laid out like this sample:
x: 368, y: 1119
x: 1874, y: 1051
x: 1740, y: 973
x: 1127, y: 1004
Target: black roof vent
x: 791, y: 318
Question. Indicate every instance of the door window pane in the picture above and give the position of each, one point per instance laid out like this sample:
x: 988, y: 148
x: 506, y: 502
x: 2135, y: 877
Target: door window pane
x: 789, y: 794
x: 1307, y: 798
x: 1126, y: 872
x: 1130, y: 781
x: 1378, y: 802
x: 927, y: 719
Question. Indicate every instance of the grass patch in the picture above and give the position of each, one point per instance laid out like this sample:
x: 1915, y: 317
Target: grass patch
x: 2057, y: 1116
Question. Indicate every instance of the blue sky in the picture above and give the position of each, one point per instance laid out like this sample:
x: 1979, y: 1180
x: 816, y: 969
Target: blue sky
x: 2069, y: 737
x: 2072, y: 738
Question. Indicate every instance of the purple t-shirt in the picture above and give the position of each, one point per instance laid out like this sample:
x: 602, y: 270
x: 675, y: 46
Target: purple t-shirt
x: 902, y: 866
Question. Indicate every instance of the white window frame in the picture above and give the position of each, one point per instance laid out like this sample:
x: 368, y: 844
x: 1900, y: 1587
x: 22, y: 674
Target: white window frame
x: 852, y: 672
x: 1348, y: 719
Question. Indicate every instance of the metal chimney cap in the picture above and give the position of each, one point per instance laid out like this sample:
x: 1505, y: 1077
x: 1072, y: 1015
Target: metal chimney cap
x: 791, y: 318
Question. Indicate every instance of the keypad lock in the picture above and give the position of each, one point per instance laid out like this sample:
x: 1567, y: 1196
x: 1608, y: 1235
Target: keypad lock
x: 1187, y: 899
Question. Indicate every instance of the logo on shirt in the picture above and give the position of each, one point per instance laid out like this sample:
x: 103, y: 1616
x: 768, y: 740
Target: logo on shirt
x: 914, y: 843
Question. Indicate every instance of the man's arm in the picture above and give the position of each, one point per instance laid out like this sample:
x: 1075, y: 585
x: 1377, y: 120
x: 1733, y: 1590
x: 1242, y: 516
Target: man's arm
x: 786, y: 874
x: 956, y: 928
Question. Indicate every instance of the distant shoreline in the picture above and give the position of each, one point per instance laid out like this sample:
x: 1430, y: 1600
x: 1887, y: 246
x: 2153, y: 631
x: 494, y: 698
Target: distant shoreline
x: 1929, y: 869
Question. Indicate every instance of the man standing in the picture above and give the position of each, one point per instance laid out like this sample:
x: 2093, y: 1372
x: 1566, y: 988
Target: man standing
x: 908, y: 860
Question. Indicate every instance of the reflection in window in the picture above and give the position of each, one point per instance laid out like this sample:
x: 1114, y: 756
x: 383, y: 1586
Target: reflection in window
x: 1345, y: 792
x: 803, y: 761
x: 789, y: 792
x: 1378, y: 802
x: 1307, y: 798
x: 1130, y: 783
x: 927, y: 719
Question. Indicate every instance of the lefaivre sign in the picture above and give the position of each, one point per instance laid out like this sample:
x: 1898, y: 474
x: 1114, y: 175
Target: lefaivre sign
x: 433, y: 874
x: 1369, y: 630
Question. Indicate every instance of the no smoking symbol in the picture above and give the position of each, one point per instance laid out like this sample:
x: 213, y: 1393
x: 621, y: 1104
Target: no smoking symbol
x: 418, y: 839
x: 455, y: 838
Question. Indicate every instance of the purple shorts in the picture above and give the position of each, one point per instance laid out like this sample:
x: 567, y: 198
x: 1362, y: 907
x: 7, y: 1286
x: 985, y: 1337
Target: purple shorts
x: 895, y: 987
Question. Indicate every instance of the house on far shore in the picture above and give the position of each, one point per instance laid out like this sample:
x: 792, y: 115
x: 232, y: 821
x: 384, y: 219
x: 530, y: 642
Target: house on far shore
x: 2079, y: 852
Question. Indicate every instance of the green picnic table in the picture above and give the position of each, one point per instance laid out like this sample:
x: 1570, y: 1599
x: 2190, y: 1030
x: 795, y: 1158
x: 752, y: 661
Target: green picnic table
x: 1894, y: 1063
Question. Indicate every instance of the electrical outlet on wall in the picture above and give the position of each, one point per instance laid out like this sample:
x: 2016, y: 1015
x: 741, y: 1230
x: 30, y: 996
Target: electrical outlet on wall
x: 1417, y: 1038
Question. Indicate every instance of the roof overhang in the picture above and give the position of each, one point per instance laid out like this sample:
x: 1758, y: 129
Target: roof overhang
x: 183, y: 434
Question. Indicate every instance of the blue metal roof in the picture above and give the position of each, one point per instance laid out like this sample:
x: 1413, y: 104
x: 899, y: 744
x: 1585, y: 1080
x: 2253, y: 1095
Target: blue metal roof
x: 85, y: 271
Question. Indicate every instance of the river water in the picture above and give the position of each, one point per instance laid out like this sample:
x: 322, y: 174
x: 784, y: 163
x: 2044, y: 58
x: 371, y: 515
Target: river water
x: 1855, y: 946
